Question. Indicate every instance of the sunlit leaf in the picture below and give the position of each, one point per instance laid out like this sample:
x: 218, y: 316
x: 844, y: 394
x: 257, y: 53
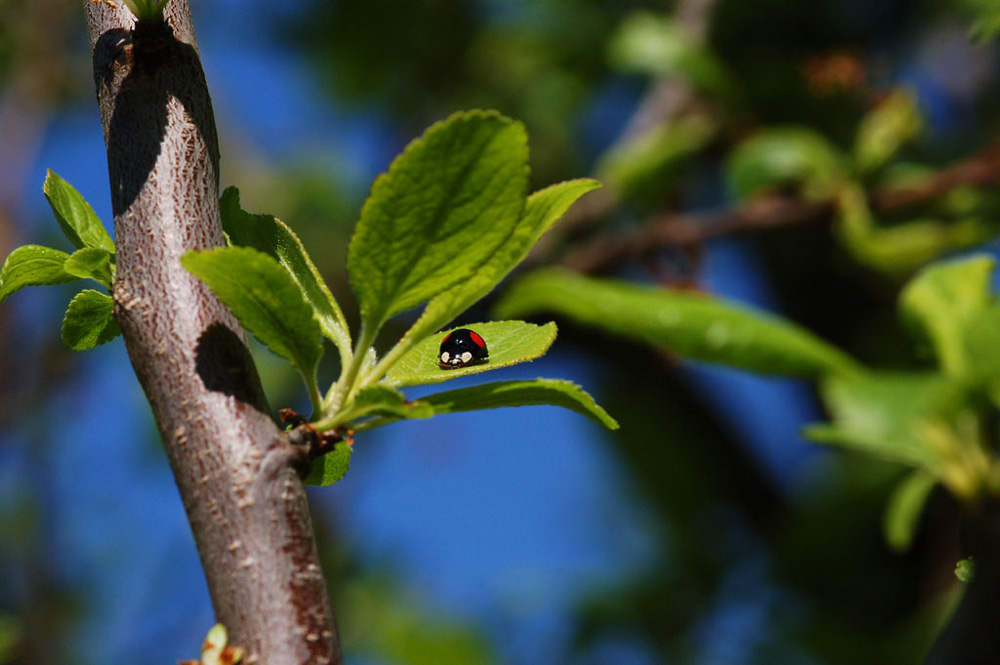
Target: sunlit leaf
x: 440, y: 211
x: 265, y: 299
x: 270, y: 235
x: 33, y: 265
x: 76, y: 218
x: 690, y: 325
x: 508, y: 342
x: 91, y: 263
x: 89, y: 321
x: 543, y: 209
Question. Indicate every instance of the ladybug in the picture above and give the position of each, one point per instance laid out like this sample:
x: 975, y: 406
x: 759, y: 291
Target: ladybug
x: 462, y: 347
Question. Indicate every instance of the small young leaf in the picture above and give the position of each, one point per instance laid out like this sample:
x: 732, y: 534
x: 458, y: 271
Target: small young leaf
x: 893, y: 123
x: 91, y: 263
x: 789, y: 154
x: 521, y: 393
x: 688, y: 324
x: 902, y: 515
x: 330, y: 468
x: 942, y: 300
x: 509, y: 343
x: 76, y: 218
x: 266, y: 300
x: 441, y: 210
x: 33, y: 265
x: 543, y: 209
x: 89, y: 321
x: 886, y: 414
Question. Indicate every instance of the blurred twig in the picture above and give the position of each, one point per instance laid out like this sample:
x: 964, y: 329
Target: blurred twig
x: 689, y: 231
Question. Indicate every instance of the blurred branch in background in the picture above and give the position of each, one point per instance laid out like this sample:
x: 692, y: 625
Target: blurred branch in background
x: 690, y: 232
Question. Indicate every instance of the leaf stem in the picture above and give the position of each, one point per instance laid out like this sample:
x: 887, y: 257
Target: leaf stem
x: 346, y: 385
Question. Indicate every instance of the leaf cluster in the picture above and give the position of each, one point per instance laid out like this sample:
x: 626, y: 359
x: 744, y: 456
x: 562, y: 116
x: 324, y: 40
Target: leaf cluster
x: 442, y: 227
x: 89, y: 321
x: 934, y: 421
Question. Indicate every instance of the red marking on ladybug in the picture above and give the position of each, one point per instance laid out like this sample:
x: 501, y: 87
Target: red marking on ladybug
x: 462, y: 347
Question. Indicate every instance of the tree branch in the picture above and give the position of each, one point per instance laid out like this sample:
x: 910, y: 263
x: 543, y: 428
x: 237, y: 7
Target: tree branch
x: 233, y: 466
x: 690, y: 231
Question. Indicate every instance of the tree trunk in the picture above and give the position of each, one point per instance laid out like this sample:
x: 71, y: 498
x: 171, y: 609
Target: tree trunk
x: 233, y: 466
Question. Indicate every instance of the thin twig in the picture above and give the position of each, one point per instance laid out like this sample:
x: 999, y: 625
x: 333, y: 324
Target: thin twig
x: 687, y: 231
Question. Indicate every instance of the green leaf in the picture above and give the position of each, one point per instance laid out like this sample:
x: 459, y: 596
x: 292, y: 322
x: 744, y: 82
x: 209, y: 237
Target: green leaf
x: 893, y: 123
x: 941, y: 302
x: 91, y: 263
x: 521, y: 393
x: 904, y: 247
x: 441, y: 210
x: 33, y: 265
x: 981, y: 341
x: 77, y: 219
x: 902, y: 515
x: 265, y: 299
x: 690, y: 325
x: 660, y: 46
x: 329, y: 468
x: 89, y: 321
x: 270, y: 235
x: 543, y: 209
x: 886, y: 415
x: 508, y: 342
x: 965, y: 569
x: 381, y: 400
x: 785, y: 155
x: 654, y: 159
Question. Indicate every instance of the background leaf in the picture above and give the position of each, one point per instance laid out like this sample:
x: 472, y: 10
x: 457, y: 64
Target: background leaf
x: 270, y: 235
x: 443, y: 208
x: 509, y: 343
x: 889, y: 126
x: 521, y: 393
x: 33, y: 265
x: 902, y: 515
x: 784, y: 155
x: 76, y: 218
x: 884, y: 414
x: 265, y: 299
x: 688, y: 324
x: 942, y: 300
x: 89, y: 321
x: 91, y: 263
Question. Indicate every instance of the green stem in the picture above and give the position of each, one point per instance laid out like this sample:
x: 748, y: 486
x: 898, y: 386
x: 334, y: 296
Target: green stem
x: 346, y: 385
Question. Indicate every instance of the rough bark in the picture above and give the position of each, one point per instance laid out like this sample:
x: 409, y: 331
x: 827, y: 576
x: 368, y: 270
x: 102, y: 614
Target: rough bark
x: 233, y: 466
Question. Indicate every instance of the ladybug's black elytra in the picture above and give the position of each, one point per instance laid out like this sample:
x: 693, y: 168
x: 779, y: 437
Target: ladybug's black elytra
x: 462, y: 347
